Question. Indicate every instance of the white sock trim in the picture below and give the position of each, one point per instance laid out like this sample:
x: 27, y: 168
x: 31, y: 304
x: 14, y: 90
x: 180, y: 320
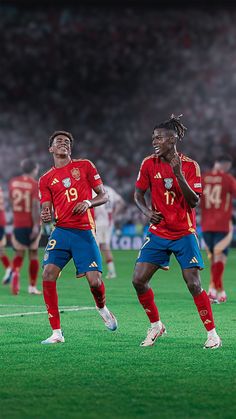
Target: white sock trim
x: 56, y: 332
x: 156, y: 324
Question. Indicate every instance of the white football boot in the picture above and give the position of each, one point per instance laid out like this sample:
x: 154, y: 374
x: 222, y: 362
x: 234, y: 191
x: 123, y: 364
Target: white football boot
x: 108, y: 318
x: 213, y: 342
x: 56, y: 337
x: 110, y: 275
x: 33, y: 290
x: 153, y: 334
x: 7, y: 276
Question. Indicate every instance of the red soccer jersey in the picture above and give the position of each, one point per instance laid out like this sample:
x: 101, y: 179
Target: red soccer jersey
x: 23, y: 190
x: 2, y: 211
x: 219, y: 188
x: 167, y: 197
x: 64, y: 187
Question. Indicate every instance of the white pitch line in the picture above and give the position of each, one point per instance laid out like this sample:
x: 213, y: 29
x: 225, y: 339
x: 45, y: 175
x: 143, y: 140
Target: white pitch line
x: 31, y: 306
x: 33, y: 313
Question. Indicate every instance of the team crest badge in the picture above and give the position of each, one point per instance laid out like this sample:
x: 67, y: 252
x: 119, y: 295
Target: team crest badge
x: 66, y: 182
x: 75, y: 173
x: 168, y: 182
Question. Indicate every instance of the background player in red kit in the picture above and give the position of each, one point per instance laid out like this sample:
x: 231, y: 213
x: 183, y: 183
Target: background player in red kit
x: 4, y: 258
x: 67, y: 189
x: 23, y: 191
x: 175, y: 184
x: 219, y: 188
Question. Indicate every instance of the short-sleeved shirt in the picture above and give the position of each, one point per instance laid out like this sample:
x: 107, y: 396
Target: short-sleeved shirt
x: 23, y: 190
x: 2, y: 210
x: 167, y: 197
x: 66, y: 186
x: 219, y: 188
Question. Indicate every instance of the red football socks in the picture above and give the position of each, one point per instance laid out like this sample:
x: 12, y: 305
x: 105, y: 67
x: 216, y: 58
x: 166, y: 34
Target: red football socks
x: 51, y: 301
x: 204, y: 309
x: 17, y: 263
x: 217, y: 270
x: 99, y: 295
x: 33, y: 271
x: 15, y: 282
x: 5, y: 261
x: 148, y: 303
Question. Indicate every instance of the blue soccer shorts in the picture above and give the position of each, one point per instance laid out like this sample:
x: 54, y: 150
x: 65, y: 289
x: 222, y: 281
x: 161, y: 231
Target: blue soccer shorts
x: 218, y: 241
x: 157, y: 250
x: 69, y: 243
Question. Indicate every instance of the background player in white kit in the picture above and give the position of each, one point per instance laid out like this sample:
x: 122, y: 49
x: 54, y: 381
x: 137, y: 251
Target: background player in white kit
x: 105, y: 216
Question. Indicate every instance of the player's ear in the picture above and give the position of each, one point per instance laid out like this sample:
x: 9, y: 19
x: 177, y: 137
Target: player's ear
x: 50, y: 150
x: 173, y: 140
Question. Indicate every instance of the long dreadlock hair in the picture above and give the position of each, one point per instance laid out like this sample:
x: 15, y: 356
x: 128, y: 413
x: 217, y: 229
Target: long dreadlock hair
x: 173, y: 124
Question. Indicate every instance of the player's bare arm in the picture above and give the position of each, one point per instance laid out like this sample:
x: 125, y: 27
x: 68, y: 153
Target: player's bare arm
x: 139, y: 199
x: 191, y: 197
x: 36, y: 219
x: 100, y: 199
x: 46, y: 212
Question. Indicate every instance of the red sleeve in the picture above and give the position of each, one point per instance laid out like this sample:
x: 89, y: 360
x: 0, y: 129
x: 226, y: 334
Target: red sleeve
x: 142, y: 181
x: 93, y: 176
x: 193, y: 177
x: 44, y: 192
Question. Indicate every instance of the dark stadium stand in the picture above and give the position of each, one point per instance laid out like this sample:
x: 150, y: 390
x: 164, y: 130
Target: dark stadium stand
x: 108, y: 75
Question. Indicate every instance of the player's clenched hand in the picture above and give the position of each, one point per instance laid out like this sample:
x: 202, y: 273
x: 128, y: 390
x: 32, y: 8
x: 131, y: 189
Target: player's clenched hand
x: 155, y: 217
x: 80, y: 208
x: 46, y: 215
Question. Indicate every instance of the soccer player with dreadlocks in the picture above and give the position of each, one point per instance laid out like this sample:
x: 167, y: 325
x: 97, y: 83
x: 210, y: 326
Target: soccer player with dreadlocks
x: 174, y: 181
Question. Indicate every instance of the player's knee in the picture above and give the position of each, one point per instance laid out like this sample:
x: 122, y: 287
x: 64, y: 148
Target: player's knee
x: 33, y: 254
x: 194, y: 285
x: 138, y: 284
x: 218, y: 255
x: 194, y: 288
x: 193, y: 281
x: 94, y: 278
x: 49, y: 275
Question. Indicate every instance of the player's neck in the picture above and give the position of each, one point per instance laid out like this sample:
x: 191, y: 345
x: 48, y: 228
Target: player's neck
x: 60, y: 161
x: 169, y: 156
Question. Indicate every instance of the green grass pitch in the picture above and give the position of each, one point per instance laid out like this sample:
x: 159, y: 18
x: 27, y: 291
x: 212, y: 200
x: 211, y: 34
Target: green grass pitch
x: 100, y: 374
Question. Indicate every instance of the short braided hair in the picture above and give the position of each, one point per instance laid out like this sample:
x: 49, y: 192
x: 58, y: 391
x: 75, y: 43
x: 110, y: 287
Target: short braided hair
x: 173, y: 124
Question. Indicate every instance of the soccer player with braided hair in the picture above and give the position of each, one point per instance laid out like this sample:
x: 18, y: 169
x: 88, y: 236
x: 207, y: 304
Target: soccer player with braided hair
x: 174, y: 181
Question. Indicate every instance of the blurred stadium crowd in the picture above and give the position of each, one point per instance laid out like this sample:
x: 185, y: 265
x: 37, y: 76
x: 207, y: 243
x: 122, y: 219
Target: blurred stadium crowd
x: 108, y: 75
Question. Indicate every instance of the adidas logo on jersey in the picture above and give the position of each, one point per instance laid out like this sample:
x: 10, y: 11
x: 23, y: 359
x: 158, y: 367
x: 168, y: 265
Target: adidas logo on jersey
x: 158, y: 176
x: 193, y: 260
x: 55, y: 180
x: 93, y: 265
